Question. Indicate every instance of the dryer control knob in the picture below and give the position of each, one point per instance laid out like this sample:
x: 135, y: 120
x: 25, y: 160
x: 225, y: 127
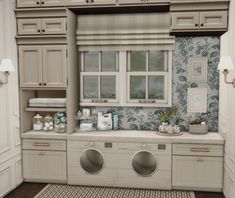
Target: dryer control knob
x: 144, y: 145
x: 92, y: 144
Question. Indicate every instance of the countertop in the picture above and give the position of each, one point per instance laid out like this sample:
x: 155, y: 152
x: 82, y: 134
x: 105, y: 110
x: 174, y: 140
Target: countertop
x: 146, y: 136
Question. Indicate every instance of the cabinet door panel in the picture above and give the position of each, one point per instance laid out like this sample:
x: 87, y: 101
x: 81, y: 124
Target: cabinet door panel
x: 54, y: 26
x: 30, y: 64
x: 213, y: 20
x: 28, y: 3
x: 184, y: 20
x: 52, y: 3
x: 29, y: 26
x: 47, y: 165
x: 54, y: 66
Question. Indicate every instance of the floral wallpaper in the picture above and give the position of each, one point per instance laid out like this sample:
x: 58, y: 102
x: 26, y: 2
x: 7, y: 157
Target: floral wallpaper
x: 145, y: 119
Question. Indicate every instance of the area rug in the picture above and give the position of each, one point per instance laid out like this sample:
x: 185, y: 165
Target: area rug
x: 66, y: 191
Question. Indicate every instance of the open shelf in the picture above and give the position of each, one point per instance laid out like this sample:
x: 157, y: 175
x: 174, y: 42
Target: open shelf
x: 45, y: 109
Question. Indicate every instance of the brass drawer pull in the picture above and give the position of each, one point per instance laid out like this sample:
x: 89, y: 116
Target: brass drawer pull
x: 41, y: 144
x: 41, y: 154
x: 200, y: 150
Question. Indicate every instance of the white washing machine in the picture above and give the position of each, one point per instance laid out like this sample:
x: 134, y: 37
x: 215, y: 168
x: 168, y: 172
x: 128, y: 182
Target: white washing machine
x: 92, y: 163
x: 144, y: 165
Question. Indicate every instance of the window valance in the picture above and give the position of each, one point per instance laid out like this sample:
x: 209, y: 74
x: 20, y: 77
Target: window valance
x: 139, y: 31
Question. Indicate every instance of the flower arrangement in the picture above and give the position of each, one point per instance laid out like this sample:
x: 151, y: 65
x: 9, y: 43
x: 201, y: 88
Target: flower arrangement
x: 166, y: 116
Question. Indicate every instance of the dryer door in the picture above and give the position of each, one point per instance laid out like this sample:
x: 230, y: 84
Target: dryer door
x: 144, y: 163
x: 91, y: 161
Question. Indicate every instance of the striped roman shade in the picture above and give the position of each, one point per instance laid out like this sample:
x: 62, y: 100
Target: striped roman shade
x: 139, y: 31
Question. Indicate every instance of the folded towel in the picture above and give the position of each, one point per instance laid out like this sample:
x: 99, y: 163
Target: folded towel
x: 47, y: 102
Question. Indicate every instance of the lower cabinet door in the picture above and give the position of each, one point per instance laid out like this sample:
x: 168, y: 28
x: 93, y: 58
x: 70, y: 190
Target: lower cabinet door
x: 194, y: 172
x: 44, y: 165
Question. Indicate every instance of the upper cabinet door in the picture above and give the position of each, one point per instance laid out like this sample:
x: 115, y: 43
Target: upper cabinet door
x: 185, y: 20
x: 29, y: 26
x: 54, y: 26
x: 54, y: 66
x: 52, y: 3
x: 28, y: 3
x: 213, y: 20
x: 30, y: 64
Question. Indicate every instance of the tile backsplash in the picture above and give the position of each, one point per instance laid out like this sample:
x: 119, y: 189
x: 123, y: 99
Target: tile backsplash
x: 185, y: 47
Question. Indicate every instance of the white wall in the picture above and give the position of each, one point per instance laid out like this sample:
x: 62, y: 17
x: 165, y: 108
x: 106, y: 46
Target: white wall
x: 227, y: 107
x: 10, y: 148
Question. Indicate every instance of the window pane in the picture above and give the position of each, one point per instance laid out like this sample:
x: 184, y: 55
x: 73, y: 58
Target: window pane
x: 156, y: 87
x: 108, y: 61
x: 90, y: 87
x: 91, y: 61
x: 137, y: 87
x: 108, y: 87
x: 156, y: 61
x: 137, y: 61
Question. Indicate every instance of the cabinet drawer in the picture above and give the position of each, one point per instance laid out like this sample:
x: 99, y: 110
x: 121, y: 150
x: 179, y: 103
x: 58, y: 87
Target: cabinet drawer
x: 198, y: 149
x: 41, y: 144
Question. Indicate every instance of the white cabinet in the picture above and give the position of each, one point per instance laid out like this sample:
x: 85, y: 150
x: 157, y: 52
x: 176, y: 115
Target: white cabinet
x: 38, y: 3
x: 199, y: 20
x: 44, y: 160
x: 38, y: 65
x: 41, y: 26
x: 142, y: 1
x: 44, y: 165
x: 195, y: 172
x: 197, y: 167
x: 90, y: 2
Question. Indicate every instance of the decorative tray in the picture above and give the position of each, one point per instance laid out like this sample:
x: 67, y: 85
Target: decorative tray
x: 169, y: 134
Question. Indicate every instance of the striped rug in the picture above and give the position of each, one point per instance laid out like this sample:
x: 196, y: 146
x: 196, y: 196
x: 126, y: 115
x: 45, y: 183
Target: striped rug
x: 66, y: 191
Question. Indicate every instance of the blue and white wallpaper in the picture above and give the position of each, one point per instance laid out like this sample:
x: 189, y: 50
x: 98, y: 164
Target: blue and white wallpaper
x: 145, y: 119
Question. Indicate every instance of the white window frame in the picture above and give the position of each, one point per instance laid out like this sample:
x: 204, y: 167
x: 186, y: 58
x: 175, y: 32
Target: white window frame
x: 99, y: 101
x: 166, y: 102
x: 123, y: 82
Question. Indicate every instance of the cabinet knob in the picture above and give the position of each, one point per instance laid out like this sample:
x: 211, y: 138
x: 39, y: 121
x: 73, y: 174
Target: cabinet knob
x: 92, y: 1
x: 202, y: 25
x: 38, y: 2
x: 39, y: 30
x: 40, y: 84
x: 44, y: 84
x: 43, y: 30
x: 196, y: 25
x: 43, y: 2
x: 87, y: 1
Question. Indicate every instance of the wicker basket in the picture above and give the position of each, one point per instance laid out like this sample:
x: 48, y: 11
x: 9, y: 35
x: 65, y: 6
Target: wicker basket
x: 198, y: 129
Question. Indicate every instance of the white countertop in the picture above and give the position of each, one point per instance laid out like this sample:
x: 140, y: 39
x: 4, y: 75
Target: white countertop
x: 146, y: 136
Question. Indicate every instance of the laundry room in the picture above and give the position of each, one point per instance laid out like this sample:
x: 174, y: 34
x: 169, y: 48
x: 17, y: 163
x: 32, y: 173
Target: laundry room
x: 117, y: 98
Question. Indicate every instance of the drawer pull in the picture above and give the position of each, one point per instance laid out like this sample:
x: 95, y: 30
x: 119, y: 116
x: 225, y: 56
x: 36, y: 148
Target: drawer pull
x: 200, y: 150
x: 41, y: 144
x: 41, y: 154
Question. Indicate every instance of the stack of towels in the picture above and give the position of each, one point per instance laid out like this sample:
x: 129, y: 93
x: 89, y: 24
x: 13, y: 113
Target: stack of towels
x: 47, y: 102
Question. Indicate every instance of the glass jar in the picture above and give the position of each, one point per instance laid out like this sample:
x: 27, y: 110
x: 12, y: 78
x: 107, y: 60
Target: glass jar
x: 37, y: 122
x: 48, y: 123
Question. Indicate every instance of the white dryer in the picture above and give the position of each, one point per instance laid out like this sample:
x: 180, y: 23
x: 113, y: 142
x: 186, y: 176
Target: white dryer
x: 92, y: 163
x: 144, y: 165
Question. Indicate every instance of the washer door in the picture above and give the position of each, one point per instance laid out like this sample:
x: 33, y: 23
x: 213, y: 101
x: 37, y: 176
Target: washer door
x: 144, y: 163
x: 91, y: 161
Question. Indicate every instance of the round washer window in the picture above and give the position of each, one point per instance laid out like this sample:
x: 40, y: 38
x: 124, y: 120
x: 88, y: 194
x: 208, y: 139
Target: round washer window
x: 91, y: 161
x: 144, y: 163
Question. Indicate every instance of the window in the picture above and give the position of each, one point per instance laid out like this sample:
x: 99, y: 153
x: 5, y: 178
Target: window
x: 99, y: 73
x: 126, y: 78
x: 147, y: 76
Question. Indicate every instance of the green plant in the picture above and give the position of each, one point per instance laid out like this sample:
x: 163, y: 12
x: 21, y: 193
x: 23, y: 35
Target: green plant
x: 166, y: 116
